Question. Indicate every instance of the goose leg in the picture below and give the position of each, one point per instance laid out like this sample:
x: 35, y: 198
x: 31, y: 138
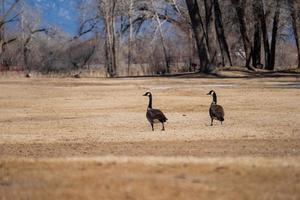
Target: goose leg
x: 221, y: 122
x: 152, y: 127
x: 211, y: 123
x: 163, y: 127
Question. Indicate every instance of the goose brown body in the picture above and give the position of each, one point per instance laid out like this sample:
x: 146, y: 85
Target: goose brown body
x: 28, y: 75
x: 154, y: 115
x: 215, y: 111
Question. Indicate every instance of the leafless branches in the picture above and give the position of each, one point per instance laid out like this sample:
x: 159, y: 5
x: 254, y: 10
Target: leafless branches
x: 157, y: 36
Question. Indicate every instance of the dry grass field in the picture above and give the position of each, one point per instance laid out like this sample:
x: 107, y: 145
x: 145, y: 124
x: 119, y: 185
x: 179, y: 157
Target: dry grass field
x: 89, y: 139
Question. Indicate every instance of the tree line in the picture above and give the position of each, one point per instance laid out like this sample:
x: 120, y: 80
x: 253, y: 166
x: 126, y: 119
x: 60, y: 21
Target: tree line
x: 154, y: 34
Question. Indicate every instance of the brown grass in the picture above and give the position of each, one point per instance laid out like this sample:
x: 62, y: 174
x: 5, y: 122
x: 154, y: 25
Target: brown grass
x: 89, y: 139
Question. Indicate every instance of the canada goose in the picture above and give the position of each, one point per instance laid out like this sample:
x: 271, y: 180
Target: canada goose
x: 154, y: 115
x: 215, y: 111
x: 28, y: 75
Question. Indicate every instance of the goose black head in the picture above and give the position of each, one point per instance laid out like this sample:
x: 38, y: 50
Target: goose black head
x: 211, y: 92
x: 214, y: 95
x: 148, y: 94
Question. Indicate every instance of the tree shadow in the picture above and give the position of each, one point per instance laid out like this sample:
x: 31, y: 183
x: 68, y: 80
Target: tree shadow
x: 219, y: 75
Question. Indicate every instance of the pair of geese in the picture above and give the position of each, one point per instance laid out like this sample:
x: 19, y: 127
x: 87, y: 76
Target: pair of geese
x: 156, y: 116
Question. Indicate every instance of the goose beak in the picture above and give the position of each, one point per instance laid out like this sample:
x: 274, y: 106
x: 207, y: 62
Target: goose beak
x: 208, y: 94
x: 144, y: 94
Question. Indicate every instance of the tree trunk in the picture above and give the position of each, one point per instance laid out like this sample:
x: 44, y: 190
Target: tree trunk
x: 256, y: 56
x: 110, y: 50
x: 25, y: 55
x: 26, y: 51
x: 166, y: 54
x: 263, y: 24
x: 191, y: 41
x: 208, y: 32
x: 163, y: 42
x: 2, y: 31
x: 221, y: 33
x: 240, y: 11
x: 199, y: 34
x: 130, y: 37
x: 274, y: 35
x: 295, y: 23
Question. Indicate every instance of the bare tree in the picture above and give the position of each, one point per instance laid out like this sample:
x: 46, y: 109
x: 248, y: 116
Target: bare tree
x: 260, y: 11
x: 162, y: 38
x: 274, y: 35
x: 294, y: 8
x: 26, y: 48
x: 221, y: 33
x: 256, y: 55
x: 199, y: 33
x: 239, y: 6
x: 7, y: 16
x: 130, y: 38
x: 80, y: 52
x: 107, y: 10
x: 158, y: 35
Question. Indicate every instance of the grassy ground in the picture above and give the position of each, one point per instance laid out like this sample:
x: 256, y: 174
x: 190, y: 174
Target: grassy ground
x: 89, y: 139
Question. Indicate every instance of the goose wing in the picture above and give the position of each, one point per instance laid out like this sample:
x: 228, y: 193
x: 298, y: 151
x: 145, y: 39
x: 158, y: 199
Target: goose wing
x: 217, y: 111
x: 153, y: 114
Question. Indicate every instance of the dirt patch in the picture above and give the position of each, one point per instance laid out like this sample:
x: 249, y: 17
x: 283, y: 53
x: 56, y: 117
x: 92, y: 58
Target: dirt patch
x: 45, y: 123
x: 202, y: 148
x: 158, y: 180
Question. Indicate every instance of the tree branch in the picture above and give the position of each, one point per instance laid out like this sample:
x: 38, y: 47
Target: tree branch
x: 92, y: 22
x: 13, y: 19
x: 10, y: 9
x: 8, y: 41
